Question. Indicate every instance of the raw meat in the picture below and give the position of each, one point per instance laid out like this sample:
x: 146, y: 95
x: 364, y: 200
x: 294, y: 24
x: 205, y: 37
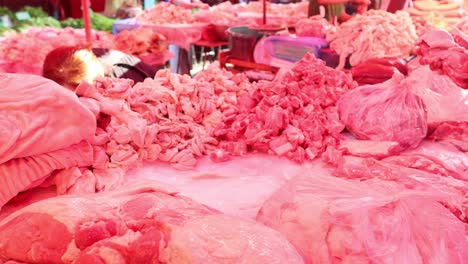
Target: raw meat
x: 439, y: 50
x: 25, y: 52
x: 136, y: 224
x: 375, y: 71
x: 169, y: 118
x: 332, y: 220
x: 368, y: 148
x: 166, y: 13
x: 315, y: 26
x: 251, y: 13
x: 455, y: 192
x: 385, y: 112
x: 293, y: 116
x: 29, y: 123
x: 21, y: 174
x: 436, y: 158
x: 237, y: 187
x: 375, y: 34
x: 444, y: 100
x: 454, y: 133
x: 145, y: 43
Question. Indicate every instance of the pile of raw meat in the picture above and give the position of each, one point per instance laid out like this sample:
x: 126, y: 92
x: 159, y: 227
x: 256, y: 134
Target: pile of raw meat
x: 293, y: 116
x: 145, y: 43
x: 315, y: 26
x: 381, y: 172
x: 166, y: 13
x: 375, y: 34
x: 251, y: 13
x: 25, y: 52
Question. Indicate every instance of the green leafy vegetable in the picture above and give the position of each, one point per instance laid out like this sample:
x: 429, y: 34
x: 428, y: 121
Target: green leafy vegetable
x: 34, y: 11
x: 100, y: 22
x: 37, y: 22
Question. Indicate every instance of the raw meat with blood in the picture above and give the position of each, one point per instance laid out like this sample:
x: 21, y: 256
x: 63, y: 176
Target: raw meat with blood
x: 144, y: 223
x: 375, y: 71
x: 331, y: 220
x: 375, y: 34
x: 385, y: 112
x: 444, y: 100
x: 439, y: 50
x: 29, y: 124
x: 293, y: 116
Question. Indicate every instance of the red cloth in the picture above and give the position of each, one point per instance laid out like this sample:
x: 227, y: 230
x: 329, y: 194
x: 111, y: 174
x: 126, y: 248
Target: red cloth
x: 73, y: 7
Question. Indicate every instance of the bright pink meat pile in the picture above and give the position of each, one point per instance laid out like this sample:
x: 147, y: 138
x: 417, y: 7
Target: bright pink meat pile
x: 293, y: 116
x: 25, y: 52
x: 385, y: 112
x: 333, y: 220
x: 166, y: 13
x: 145, y: 223
x: 169, y: 118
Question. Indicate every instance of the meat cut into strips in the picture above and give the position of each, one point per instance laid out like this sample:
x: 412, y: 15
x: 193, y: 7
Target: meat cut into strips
x: 142, y: 223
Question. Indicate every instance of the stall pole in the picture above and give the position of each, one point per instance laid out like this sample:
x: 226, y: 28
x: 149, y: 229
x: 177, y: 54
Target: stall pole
x: 85, y: 6
x: 264, y: 12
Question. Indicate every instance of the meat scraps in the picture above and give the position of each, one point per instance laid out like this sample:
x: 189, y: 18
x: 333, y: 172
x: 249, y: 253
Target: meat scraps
x: 439, y: 50
x: 293, y: 116
x: 375, y: 34
x: 143, y: 223
x: 331, y: 220
x: 385, y: 112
